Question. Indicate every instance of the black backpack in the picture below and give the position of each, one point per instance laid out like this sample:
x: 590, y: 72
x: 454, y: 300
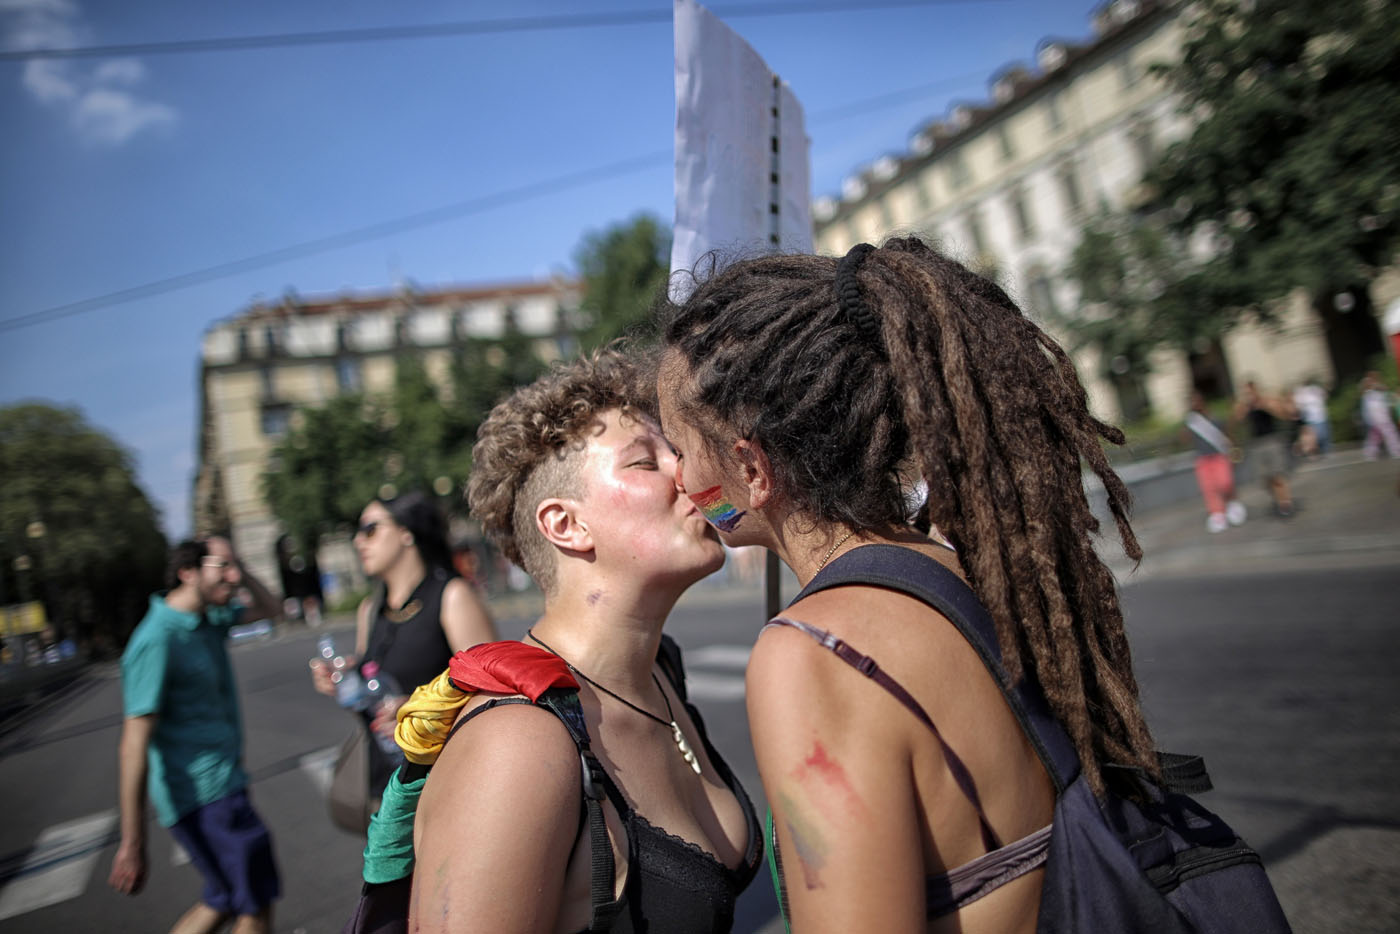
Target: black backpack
x: 1157, y: 862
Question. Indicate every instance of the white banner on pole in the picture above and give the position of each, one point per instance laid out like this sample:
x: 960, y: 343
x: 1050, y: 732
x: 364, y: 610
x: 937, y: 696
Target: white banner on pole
x: 742, y: 184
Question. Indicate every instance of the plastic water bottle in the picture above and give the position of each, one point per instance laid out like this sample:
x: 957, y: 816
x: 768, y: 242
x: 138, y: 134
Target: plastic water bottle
x: 349, y: 686
x: 325, y: 647
x: 380, y: 690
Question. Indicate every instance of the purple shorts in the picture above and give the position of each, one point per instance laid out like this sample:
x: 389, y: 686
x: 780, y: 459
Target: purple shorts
x: 230, y: 846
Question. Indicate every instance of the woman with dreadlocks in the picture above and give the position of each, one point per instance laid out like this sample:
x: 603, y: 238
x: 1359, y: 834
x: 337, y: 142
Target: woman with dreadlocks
x: 808, y: 397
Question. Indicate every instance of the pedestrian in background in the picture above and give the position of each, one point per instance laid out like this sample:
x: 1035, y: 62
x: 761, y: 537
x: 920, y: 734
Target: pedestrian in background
x: 419, y: 614
x: 1311, y: 401
x: 1269, y: 448
x: 804, y: 395
x: 1215, y: 469
x: 1378, y: 415
x: 301, y: 581
x: 182, y: 740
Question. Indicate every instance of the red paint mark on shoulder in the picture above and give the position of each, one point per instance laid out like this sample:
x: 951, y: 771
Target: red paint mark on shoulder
x: 819, y: 767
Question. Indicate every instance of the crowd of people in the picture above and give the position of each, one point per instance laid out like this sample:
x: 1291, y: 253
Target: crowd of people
x: 565, y: 782
x: 1275, y: 432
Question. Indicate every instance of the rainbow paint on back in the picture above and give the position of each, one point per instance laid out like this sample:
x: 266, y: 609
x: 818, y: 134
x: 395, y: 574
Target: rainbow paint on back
x: 717, y: 510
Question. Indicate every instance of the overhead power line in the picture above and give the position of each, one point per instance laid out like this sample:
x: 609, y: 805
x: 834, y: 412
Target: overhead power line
x: 438, y: 215
x: 447, y: 30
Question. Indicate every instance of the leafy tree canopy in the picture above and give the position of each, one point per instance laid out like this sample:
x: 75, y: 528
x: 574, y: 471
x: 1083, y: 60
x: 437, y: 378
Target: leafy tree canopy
x: 1139, y: 290
x: 623, y: 269
x: 72, y: 512
x: 1292, y: 160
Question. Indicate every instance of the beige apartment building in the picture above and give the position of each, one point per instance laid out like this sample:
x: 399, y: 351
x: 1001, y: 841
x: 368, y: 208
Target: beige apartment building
x: 260, y: 365
x: 1008, y: 182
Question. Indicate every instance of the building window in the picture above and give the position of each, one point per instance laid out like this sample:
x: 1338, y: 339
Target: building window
x: 275, y: 419
x: 243, y: 351
x: 975, y: 235
x: 1144, y: 145
x: 269, y: 385
x: 957, y: 170
x: 1008, y: 151
x: 1020, y: 216
x: 1127, y: 71
x: 1041, y: 293
x: 922, y: 196
x: 1069, y: 187
x: 1053, y: 115
x: 886, y: 215
x: 347, y: 374
x: 271, y: 341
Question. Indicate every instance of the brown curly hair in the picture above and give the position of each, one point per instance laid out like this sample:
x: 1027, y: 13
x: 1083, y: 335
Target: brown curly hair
x: 526, y: 450
x: 936, y: 368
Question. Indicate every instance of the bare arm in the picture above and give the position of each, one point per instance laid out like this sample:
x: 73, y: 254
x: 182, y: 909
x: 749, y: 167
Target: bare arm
x: 129, y: 866
x: 495, y: 827
x: 265, y: 605
x: 840, y: 786
x: 465, y: 619
x: 362, y: 624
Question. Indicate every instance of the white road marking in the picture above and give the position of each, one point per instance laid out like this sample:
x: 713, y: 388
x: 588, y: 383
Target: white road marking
x: 718, y: 656
x: 707, y: 687
x: 178, y: 856
x: 716, y: 672
x: 59, y: 866
x: 319, y: 766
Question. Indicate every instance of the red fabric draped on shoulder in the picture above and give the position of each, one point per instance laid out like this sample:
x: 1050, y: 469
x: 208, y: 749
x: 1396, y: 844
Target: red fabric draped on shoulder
x: 509, y: 668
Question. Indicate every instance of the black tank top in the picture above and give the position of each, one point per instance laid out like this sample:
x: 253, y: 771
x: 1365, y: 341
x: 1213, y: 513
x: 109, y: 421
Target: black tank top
x: 672, y: 884
x: 408, y: 641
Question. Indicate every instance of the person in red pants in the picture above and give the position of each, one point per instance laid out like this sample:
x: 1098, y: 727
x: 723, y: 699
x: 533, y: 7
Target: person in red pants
x: 1215, y: 470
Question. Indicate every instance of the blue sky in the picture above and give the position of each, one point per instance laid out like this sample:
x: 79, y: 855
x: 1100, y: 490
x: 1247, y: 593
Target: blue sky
x: 122, y: 171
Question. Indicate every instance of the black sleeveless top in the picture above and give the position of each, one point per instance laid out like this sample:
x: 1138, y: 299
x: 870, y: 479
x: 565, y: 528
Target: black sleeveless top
x: 672, y: 885
x: 414, y: 650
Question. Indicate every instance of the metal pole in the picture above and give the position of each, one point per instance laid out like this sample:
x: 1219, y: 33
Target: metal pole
x: 773, y: 596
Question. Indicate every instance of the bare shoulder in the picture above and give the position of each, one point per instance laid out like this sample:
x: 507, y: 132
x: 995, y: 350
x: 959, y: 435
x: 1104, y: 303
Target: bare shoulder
x: 496, y: 824
x: 495, y: 748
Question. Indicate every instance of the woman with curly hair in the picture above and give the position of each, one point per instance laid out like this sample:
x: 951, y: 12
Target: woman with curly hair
x: 810, y: 398
x: 582, y: 792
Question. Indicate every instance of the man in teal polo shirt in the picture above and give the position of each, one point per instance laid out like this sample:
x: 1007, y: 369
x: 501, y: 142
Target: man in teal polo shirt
x: 182, y: 741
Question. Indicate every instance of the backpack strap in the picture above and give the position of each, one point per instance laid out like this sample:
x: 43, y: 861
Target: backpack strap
x: 909, y: 572
x: 564, y: 704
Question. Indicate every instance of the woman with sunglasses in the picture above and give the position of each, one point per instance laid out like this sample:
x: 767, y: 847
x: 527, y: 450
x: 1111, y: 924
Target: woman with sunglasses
x: 418, y: 616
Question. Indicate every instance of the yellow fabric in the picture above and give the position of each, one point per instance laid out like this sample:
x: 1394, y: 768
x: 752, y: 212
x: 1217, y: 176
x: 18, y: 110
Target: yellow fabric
x: 426, y: 718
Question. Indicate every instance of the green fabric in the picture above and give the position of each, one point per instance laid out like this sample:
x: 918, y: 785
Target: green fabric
x: 176, y: 666
x: 775, y: 867
x: 389, y: 849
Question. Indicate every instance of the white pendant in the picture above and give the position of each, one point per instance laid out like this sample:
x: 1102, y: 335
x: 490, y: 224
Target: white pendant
x: 684, y: 747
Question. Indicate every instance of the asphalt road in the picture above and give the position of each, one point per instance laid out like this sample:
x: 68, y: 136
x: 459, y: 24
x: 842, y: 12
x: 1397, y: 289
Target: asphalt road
x: 1284, y: 682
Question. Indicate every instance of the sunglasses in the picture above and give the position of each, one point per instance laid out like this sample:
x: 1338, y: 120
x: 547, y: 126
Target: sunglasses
x: 367, y: 529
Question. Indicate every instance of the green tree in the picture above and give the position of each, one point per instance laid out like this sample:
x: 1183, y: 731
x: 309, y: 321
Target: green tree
x: 623, y: 269
x: 1139, y: 290
x: 1291, y: 165
x: 88, y: 540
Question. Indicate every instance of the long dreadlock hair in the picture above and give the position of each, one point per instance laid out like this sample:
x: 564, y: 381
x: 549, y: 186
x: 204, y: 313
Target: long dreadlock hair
x: 922, y: 364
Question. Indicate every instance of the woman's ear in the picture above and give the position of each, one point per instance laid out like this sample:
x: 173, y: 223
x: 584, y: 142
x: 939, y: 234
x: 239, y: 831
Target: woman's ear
x: 756, y: 471
x: 561, y: 527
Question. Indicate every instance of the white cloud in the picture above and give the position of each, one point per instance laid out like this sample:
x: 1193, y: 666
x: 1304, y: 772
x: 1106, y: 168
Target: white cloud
x: 50, y: 81
x: 100, y: 101
x: 112, y: 117
x: 126, y: 71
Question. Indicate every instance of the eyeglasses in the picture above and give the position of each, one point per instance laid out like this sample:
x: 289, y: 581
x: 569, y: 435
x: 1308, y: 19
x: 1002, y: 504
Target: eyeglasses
x: 367, y: 529
x: 218, y: 564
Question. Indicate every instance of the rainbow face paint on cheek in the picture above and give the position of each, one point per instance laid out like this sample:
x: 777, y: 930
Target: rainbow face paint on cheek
x: 717, y: 510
